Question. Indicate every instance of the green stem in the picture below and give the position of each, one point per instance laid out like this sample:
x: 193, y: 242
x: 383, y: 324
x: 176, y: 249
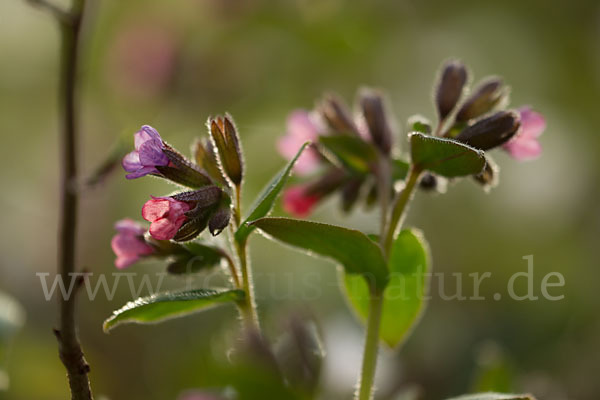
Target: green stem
x: 399, y: 208
x: 367, y: 375
x: 384, y: 181
x: 249, y: 306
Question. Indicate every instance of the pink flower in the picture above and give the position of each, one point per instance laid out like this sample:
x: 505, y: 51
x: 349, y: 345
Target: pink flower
x: 166, y: 216
x: 147, y: 155
x: 525, y: 146
x: 300, y: 129
x: 299, y: 203
x: 128, y: 244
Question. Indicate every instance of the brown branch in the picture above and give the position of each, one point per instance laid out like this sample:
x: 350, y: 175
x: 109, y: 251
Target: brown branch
x: 69, y: 347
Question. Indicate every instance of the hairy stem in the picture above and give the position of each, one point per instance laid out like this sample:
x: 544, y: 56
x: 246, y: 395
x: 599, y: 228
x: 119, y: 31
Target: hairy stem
x: 399, y: 208
x: 69, y: 347
x: 384, y: 182
x: 367, y: 374
x: 249, y: 307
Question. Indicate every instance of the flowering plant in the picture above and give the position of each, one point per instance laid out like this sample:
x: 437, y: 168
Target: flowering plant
x: 356, y: 154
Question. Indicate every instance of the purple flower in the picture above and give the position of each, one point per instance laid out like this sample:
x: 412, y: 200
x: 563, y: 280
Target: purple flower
x: 129, y: 244
x: 300, y: 129
x: 147, y: 155
x: 525, y: 145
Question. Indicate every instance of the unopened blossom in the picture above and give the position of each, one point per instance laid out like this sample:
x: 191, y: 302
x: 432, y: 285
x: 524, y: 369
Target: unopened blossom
x: 166, y: 216
x: 148, y: 154
x: 129, y: 244
x: 300, y: 129
x: 298, y: 202
x: 525, y: 144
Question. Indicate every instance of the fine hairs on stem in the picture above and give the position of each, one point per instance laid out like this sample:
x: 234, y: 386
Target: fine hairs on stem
x: 70, y: 351
x: 390, y: 224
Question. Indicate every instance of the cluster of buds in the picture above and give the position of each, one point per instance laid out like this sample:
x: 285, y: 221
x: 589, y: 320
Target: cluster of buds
x: 212, y: 177
x: 481, y: 120
x: 346, y: 153
x: 352, y: 151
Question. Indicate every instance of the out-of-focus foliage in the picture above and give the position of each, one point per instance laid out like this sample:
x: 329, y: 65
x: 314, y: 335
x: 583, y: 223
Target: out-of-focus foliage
x: 259, y: 60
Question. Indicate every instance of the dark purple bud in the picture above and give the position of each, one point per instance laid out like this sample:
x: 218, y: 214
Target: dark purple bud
x: 483, y: 99
x: 450, y: 87
x: 488, y: 178
x: 193, y: 226
x: 428, y: 182
x: 350, y: 193
x: 226, y: 140
x: 182, y: 171
x: 374, y: 114
x: 337, y: 115
x: 219, y: 220
x: 492, y: 131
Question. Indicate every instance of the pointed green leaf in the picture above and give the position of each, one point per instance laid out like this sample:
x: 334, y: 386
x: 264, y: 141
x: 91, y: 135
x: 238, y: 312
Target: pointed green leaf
x: 494, y: 396
x: 351, y: 151
x: 163, y: 306
x: 445, y: 157
x: 351, y: 248
x: 266, y: 200
x: 403, y: 296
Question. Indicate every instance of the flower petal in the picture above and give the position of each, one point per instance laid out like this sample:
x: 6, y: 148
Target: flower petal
x: 523, y: 149
x: 532, y: 123
x: 131, y: 162
x: 155, y: 209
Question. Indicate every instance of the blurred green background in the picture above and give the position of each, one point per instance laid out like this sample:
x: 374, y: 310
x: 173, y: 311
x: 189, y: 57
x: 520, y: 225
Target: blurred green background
x: 173, y: 63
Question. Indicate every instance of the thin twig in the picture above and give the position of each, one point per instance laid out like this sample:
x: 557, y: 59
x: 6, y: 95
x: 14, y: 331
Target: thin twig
x: 69, y: 347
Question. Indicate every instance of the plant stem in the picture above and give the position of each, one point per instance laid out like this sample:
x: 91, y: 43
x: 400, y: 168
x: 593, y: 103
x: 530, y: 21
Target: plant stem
x: 249, y: 308
x: 384, y: 182
x: 69, y: 347
x: 399, y: 208
x: 367, y: 375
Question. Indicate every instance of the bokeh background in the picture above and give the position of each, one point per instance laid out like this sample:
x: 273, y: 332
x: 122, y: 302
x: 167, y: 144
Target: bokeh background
x: 173, y: 63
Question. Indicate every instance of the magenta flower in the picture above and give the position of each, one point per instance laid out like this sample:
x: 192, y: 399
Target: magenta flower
x: 128, y: 244
x: 300, y: 129
x: 147, y: 155
x: 298, y: 202
x: 166, y: 216
x: 524, y: 145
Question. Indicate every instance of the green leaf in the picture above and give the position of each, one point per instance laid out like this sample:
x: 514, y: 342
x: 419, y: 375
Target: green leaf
x: 162, y: 306
x: 445, y: 157
x: 266, y: 200
x: 351, y: 151
x: 494, y: 396
x: 200, y: 256
x: 403, y: 296
x: 351, y: 248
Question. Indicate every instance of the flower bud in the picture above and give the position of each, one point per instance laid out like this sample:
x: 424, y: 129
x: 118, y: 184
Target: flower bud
x: 450, y: 87
x: 337, y: 115
x: 204, y: 155
x: 374, y: 114
x: 226, y: 140
x: 488, y: 178
x: 350, y: 193
x: 491, y: 132
x: 485, y: 97
x: 220, y: 219
x: 182, y: 171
